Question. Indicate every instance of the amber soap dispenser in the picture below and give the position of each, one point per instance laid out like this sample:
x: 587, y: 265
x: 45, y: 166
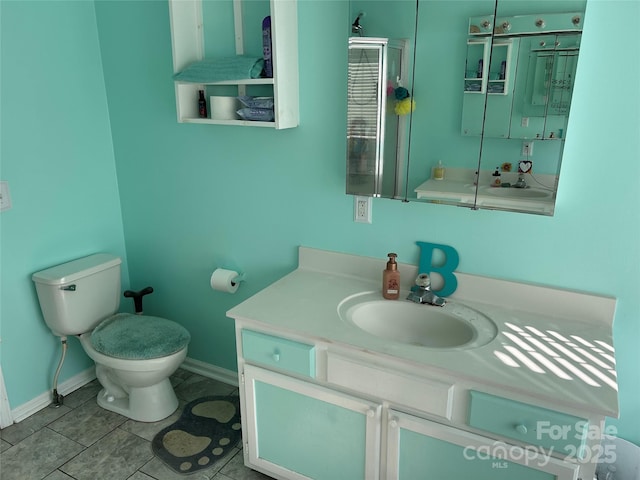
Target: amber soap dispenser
x: 391, y: 279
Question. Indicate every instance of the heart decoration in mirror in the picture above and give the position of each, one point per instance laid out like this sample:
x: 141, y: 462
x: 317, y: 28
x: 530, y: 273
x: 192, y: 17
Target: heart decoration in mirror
x: 525, y: 166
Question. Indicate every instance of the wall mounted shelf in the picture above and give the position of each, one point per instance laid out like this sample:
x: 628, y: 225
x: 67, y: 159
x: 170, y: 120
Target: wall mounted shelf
x: 189, y: 37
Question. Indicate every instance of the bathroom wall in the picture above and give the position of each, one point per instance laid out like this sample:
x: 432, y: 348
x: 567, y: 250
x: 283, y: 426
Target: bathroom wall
x: 57, y: 156
x: 195, y: 197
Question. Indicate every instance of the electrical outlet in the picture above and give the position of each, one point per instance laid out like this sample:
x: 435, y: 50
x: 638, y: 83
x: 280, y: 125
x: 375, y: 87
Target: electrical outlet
x: 362, y: 209
x: 5, y: 197
x: 527, y: 149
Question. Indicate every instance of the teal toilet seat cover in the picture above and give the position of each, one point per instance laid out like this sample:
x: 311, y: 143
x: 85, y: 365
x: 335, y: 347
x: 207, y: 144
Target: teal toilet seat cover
x: 138, y: 337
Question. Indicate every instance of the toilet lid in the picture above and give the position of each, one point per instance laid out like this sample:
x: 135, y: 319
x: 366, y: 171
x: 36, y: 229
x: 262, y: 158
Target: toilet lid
x: 138, y: 337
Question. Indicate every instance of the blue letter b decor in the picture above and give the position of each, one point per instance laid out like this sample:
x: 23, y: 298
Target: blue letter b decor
x: 451, y: 261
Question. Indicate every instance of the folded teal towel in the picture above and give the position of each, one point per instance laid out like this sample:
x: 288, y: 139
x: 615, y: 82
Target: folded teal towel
x: 239, y: 67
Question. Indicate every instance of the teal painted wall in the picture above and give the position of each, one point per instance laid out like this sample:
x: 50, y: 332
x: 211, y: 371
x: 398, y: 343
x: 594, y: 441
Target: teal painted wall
x: 195, y: 197
x: 57, y: 155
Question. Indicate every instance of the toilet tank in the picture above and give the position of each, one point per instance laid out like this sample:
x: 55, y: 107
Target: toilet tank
x: 76, y: 296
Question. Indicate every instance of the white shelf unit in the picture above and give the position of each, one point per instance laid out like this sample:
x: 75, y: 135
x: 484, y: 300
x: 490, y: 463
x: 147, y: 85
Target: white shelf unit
x: 492, y: 55
x: 477, y: 49
x: 187, y: 41
x: 501, y: 52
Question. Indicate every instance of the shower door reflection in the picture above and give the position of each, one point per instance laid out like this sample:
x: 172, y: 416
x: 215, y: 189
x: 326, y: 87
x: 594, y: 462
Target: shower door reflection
x: 376, y: 134
x: 365, y: 115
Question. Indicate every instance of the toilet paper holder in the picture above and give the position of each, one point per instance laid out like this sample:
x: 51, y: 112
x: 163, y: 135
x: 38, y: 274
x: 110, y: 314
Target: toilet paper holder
x: 225, y: 280
x: 238, y: 278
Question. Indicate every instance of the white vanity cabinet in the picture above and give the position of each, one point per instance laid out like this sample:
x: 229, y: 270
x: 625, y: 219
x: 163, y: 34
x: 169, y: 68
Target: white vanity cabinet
x: 296, y: 429
x: 416, y: 446
x: 193, y: 41
x: 311, y: 409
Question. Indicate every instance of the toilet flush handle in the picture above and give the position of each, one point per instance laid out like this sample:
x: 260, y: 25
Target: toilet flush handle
x: 137, y: 297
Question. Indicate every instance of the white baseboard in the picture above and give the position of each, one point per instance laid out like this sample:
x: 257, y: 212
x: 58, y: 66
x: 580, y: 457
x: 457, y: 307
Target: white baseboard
x: 81, y: 379
x: 230, y: 377
x: 44, y: 399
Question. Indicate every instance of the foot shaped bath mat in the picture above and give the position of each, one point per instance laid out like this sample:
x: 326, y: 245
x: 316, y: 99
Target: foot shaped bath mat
x: 207, y: 429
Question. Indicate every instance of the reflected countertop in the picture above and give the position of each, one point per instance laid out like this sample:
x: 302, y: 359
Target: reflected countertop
x: 464, y: 192
x: 447, y: 191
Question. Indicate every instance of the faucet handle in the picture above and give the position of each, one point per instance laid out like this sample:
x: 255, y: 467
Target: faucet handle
x: 423, y: 281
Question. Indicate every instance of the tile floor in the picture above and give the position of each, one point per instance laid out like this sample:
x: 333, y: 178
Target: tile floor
x: 82, y: 441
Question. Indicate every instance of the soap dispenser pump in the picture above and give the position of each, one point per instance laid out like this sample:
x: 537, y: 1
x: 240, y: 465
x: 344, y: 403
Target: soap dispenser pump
x: 391, y: 279
x: 496, y: 182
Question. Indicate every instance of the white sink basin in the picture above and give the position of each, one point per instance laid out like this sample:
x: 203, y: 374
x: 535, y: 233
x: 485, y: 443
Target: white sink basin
x: 401, y: 321
x: 517, y: 192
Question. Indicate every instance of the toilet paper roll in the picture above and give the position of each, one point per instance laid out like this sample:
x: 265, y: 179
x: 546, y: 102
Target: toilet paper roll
x: 224, y: 280
x: 223, y: 108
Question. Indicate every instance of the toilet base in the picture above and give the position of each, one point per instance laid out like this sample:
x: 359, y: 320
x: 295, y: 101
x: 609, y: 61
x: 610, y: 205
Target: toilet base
x: 143, y: 404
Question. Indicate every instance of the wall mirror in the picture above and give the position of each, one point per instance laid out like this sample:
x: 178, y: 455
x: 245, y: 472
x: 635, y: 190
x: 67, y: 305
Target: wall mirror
x: 492, y: 84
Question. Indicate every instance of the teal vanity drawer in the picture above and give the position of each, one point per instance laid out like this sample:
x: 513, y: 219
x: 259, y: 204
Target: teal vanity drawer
x: 280, y: 353
x: 559, y: 432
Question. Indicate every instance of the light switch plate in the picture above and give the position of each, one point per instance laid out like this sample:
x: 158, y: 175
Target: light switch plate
x: 5, y: 196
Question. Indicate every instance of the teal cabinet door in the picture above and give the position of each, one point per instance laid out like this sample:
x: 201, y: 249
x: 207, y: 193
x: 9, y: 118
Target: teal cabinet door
x: 419, y: 449
x: 473, y: 114
x: 299, y: 430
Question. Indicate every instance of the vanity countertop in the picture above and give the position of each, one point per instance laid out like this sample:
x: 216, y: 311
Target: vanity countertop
x: 554, y: 345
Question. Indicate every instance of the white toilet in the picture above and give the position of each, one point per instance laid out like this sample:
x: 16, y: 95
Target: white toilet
x: 134, y: 354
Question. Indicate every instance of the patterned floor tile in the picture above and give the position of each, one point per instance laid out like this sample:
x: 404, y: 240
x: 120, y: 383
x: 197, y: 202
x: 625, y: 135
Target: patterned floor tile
x: 236, y: 470
x: 82, y: 395
x: 197, y: 386
x: 21, y: 430
x: 81, y: 441
x: 37, y: 456
x: 4, y: 445
x: 88, y: 423
x: 141, y: 476
x: 180, y: 376
x: 58, y: 475
x: 115, y: 457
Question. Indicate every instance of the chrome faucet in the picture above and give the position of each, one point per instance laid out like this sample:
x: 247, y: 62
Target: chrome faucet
x: 520, y: 183
x: 421, y: 292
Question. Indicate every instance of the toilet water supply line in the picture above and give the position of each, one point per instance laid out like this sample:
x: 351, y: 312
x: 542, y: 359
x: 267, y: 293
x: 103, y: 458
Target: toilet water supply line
x: 57, y: 398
